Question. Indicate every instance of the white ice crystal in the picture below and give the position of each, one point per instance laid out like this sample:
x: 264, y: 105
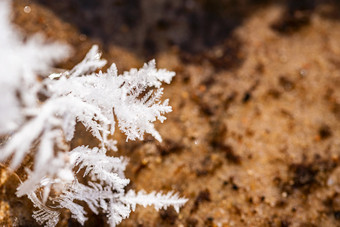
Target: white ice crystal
x: 42, y: 128
x: 21, y: 63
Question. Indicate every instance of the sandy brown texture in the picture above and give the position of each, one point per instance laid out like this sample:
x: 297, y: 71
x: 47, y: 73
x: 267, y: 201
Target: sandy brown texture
x: 253, y: 139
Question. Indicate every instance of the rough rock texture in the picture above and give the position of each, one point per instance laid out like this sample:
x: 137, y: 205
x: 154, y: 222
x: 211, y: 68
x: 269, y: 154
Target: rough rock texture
x: 253, y: 139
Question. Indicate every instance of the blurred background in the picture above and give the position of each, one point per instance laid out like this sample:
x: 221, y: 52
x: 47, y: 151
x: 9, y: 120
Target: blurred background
x: 194, y: 26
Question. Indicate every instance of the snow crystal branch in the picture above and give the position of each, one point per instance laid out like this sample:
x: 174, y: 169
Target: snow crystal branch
x: 44, y: 128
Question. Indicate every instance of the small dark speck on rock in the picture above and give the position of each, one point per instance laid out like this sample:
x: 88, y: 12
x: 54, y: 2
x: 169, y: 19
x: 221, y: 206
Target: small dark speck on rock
x: 325, y: 132
x: 284, y: 223
x: 246, y: 97
x: 286, y: 84
x: 169, y: 215
x: 337, y: 214
x: 203, y: 196
x: 234, y: 187
x: 192, y: 222
x: 209, y: 222
x: 230, y: 154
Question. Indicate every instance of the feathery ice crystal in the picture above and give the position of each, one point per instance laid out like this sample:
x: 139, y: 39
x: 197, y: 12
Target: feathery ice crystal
x: 42, y: 128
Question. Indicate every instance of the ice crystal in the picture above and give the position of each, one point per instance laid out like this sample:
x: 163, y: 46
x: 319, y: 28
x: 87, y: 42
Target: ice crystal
x: 42, y: 128
x: 21, y: 62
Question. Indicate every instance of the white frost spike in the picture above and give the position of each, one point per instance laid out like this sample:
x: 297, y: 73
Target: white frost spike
x: 44, y: 214
x: 158, y: 200
x: 57, y: 171
x: 137, y: 108
x: 91, y: 62
x: 108, y: 170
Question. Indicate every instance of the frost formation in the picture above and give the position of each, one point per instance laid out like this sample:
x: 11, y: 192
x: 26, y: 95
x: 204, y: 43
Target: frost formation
x: 38, y: 116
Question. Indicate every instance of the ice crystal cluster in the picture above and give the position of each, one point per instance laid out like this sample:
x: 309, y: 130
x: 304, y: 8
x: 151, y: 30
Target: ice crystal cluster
x: 38, y: 116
